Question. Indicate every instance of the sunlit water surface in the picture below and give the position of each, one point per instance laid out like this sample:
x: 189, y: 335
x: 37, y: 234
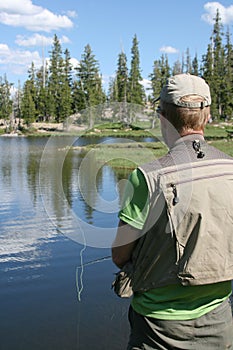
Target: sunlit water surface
x: 42, y: 246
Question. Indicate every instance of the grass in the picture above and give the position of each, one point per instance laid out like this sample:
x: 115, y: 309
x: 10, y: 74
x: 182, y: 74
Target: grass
x: 118, y: 133
x: 212, y: 131
x: 125, y: 155
x: 215, y: 131
x: 131, y: 154
x: 119, y: 129
x: 225, y: 146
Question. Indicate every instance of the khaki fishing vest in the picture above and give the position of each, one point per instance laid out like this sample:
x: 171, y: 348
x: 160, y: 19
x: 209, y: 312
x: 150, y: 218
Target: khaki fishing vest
x: 188, y: 234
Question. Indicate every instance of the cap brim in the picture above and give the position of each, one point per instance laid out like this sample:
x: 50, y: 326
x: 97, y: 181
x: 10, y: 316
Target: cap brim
x: 155, y: 100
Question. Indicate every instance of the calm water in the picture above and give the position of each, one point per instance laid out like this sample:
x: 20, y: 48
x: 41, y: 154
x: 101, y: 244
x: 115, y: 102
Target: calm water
x: 57, y: 210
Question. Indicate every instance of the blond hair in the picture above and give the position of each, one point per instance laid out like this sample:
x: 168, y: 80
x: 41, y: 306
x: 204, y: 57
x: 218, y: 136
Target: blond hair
x: 186, y: 119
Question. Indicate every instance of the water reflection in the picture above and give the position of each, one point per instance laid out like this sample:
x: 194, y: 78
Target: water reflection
x: 74, y: 201
x: 83, y: 196
x: 19, y: 211
x: 38, y: 261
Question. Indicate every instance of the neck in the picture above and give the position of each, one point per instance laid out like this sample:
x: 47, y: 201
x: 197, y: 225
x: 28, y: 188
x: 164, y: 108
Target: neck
x: 172, y: 140
x: 191, y: 132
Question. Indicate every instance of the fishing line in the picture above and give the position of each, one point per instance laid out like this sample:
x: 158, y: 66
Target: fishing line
x: 80, y: 289
x: 79, y: 278
x: 81, y: 267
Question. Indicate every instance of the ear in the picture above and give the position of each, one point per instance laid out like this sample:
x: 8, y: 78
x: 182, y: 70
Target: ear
x: 207, y: 119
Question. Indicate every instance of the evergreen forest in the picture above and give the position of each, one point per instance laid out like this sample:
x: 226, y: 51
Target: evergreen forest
x: 58, y: 90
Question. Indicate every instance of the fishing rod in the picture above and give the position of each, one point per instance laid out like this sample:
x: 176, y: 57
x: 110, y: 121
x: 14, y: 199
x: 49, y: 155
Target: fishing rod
x: 91, y: 262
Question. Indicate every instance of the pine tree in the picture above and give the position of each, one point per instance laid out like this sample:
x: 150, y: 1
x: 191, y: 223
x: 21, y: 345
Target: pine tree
x: 32, y: 84
x: 188, y: 63
x: 177, y: 67
x: 42, y: 93
x: 56, y: 80
x: 78, y: 97
x: 228, y: 81
x: 27, y: 104
x: 68, y: 68
x: 136, y: 93
x: 112, y: 90
x: 5, y: 98
x: 195, y: 66
x: 17, y: 104
x: 121, y: 83
x: 89, y: 79
x: 213, y: 68
x: 207, y: 64
x: 66, y: 97
x: 161, y: 71
x: 218, y: 63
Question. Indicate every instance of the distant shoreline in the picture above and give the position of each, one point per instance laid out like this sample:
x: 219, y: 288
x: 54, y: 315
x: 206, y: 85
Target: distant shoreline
x: 214, y: 131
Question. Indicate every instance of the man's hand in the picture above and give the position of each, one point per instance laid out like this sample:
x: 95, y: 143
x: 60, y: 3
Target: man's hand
x: 124, y: 244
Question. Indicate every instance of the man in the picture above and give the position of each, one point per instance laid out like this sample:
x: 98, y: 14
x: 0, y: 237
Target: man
x: 176, y: 229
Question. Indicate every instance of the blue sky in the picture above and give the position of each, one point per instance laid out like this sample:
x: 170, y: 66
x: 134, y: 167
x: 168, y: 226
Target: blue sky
x: 108, y: 26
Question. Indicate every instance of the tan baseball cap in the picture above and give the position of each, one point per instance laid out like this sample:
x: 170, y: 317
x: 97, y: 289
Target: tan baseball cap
x: 181, y: 85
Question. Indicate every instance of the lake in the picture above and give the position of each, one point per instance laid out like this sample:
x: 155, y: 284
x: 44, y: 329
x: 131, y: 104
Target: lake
x: 58, y: 217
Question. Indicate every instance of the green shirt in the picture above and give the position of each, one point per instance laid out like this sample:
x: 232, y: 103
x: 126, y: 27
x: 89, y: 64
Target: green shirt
x: 173, y: 302
x: 135, y: 200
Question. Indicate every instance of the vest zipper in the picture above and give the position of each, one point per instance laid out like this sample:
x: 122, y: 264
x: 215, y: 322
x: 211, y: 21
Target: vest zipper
x: 195, y: 166
x: 174, y: 190
x: 174, y: 185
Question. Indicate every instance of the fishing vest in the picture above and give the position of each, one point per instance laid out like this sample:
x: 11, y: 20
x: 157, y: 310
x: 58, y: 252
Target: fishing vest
x: 188, y: 235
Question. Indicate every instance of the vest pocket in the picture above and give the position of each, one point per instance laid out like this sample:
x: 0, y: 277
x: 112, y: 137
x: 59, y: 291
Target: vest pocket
x: 200, y: 208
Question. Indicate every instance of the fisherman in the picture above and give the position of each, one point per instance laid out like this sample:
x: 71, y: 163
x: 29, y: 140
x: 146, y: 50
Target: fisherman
x: 176, y: 230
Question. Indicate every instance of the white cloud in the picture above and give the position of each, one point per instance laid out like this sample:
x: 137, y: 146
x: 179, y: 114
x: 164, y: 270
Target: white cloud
x: 19, y: 57
x: 18, y: 61
x: 71, y: 14
x: 74, y: 63
x: 22, y: 7
x: 4, y: 49
x: 226, y: 13
x: 25, y: 14
x: 146, y: 84
x: 38, y: 40
x: 106, y: 79
x: 168, y: 49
